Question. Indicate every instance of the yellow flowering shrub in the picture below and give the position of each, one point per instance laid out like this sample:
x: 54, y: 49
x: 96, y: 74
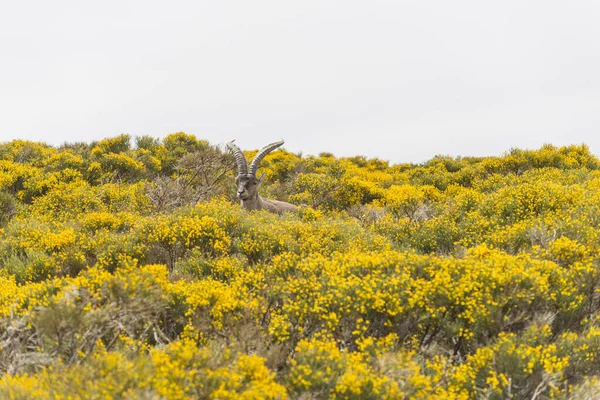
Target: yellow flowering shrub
x: 8, y: 293
x: 527, y: 364
x: 458, y: 278
x: 404, y: 200
x: 14, y: 176
x: 178, y: 371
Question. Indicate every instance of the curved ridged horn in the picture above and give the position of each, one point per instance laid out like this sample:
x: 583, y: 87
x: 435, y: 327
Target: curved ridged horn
x: 240, y: 160
x: 261, y: 154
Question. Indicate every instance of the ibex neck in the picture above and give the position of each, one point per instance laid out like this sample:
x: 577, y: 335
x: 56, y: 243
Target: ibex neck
x: 253, y: 203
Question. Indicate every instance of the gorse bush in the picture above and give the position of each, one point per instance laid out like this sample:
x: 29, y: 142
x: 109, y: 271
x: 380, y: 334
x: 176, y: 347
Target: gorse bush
x: 127, y: 271
x: 8, y: 208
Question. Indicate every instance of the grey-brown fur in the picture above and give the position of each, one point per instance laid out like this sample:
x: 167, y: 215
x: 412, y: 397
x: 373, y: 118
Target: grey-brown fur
x: 248, y: 183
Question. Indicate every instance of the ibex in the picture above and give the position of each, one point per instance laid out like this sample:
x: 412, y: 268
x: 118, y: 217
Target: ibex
x: 248, y: 183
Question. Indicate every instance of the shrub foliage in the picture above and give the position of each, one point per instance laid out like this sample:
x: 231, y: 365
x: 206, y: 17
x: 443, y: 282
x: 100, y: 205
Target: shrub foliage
x: 128, y: 271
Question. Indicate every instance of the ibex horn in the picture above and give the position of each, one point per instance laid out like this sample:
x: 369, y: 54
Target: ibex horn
x: 240, y: 160
x: 261, y: 154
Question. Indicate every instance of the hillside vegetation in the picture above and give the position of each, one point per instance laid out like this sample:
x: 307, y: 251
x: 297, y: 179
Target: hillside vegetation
x: 128, y: 270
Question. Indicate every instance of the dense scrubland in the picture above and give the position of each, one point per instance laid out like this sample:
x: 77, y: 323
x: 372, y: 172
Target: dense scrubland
x: 128, y: 270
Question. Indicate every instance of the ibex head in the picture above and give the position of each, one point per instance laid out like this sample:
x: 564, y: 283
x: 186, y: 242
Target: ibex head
x: 246, y: 179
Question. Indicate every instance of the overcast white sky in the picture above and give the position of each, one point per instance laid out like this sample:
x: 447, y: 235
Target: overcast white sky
x: 399, y: 80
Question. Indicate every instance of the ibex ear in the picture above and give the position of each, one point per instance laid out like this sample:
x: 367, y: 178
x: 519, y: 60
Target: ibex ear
x: 262, y: 178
